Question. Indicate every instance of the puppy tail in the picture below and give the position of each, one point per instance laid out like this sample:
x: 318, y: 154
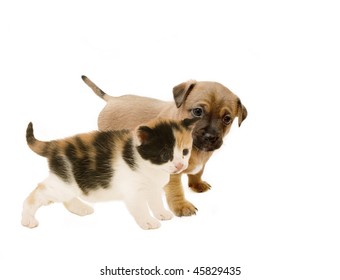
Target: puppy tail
x: 37, y: 146
x: 95, y: 88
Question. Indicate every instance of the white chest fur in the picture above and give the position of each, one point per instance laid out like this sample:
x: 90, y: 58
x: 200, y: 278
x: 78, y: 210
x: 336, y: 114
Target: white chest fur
x: 127, y: 182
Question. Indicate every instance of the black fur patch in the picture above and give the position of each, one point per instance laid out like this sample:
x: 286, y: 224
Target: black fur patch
x: 57, y: 163
x: 92, y: 172
x: 128, y: 154
x: 176, y: 126
x: 29, y: 134
x: 159, y: 148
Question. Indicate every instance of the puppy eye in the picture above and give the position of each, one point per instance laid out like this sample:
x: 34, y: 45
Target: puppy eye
x: 197, y: 112
x: 227, y: 119
x: 185, y: 152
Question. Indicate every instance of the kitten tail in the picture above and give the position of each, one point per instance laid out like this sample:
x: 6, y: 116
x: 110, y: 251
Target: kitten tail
x: 37, y: 146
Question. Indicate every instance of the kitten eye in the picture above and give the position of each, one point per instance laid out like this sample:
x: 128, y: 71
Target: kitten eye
x: 227, y: 119
x: 197, y: 112
x: 185, y: 152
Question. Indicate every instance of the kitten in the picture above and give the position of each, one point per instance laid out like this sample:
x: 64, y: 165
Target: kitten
x: 101, y: 166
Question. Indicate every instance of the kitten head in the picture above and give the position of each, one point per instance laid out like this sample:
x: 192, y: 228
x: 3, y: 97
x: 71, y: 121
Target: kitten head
x: 166, y: 143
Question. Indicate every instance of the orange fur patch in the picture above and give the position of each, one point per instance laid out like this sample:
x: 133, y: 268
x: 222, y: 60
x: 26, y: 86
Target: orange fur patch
x: 183, y: 139
x: 31, y: 198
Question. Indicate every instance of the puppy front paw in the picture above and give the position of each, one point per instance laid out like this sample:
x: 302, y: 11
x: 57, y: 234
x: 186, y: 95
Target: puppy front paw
x: 183, y: 208
x: 148, y: 223
x: 200, y: 187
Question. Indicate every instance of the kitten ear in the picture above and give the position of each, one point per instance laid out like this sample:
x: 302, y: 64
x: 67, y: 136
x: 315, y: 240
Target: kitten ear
x: 189, y: 123
x: 144, y: 134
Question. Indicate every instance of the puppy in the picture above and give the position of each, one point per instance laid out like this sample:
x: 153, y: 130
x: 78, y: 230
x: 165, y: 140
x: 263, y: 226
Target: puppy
x: 213, y: 103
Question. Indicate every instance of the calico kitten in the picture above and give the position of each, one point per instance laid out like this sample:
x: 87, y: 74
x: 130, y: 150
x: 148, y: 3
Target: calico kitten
x: 106, y: 165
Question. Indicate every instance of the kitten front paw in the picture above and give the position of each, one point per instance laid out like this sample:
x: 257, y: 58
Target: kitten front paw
x: 164, y: 215
x: 29, y: 221
x: 148, y: 223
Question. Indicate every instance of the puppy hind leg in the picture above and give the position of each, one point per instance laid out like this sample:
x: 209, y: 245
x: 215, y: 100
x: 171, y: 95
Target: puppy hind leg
x: 78, y: 207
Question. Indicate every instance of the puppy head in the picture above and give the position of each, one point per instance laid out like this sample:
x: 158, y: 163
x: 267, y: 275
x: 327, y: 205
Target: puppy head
x: 215, y: 105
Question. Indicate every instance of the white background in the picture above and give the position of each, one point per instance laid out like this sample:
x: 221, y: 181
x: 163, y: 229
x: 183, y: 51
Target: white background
x: 274, y: 206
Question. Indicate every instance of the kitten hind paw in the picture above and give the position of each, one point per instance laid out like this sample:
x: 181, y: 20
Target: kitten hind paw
x: 29, y: 221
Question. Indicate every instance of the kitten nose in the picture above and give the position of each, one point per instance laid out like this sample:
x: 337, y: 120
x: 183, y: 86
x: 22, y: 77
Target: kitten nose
x: 179, y: 166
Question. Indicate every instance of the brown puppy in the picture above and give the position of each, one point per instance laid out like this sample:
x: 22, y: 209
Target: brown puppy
x: 217, y: 107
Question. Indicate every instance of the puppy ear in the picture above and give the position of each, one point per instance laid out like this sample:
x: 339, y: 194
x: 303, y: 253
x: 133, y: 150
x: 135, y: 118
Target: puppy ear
x: 189, y: 123
x: 144, y: 134
x: 182, y: 91
x: 241, y: 113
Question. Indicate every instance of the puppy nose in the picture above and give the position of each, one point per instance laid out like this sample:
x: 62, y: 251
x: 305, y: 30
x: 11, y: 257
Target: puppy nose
x: 179, y: 166
x: 211, y: 138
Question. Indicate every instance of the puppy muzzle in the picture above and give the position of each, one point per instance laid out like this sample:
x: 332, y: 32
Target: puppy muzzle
x: 207, y: 141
